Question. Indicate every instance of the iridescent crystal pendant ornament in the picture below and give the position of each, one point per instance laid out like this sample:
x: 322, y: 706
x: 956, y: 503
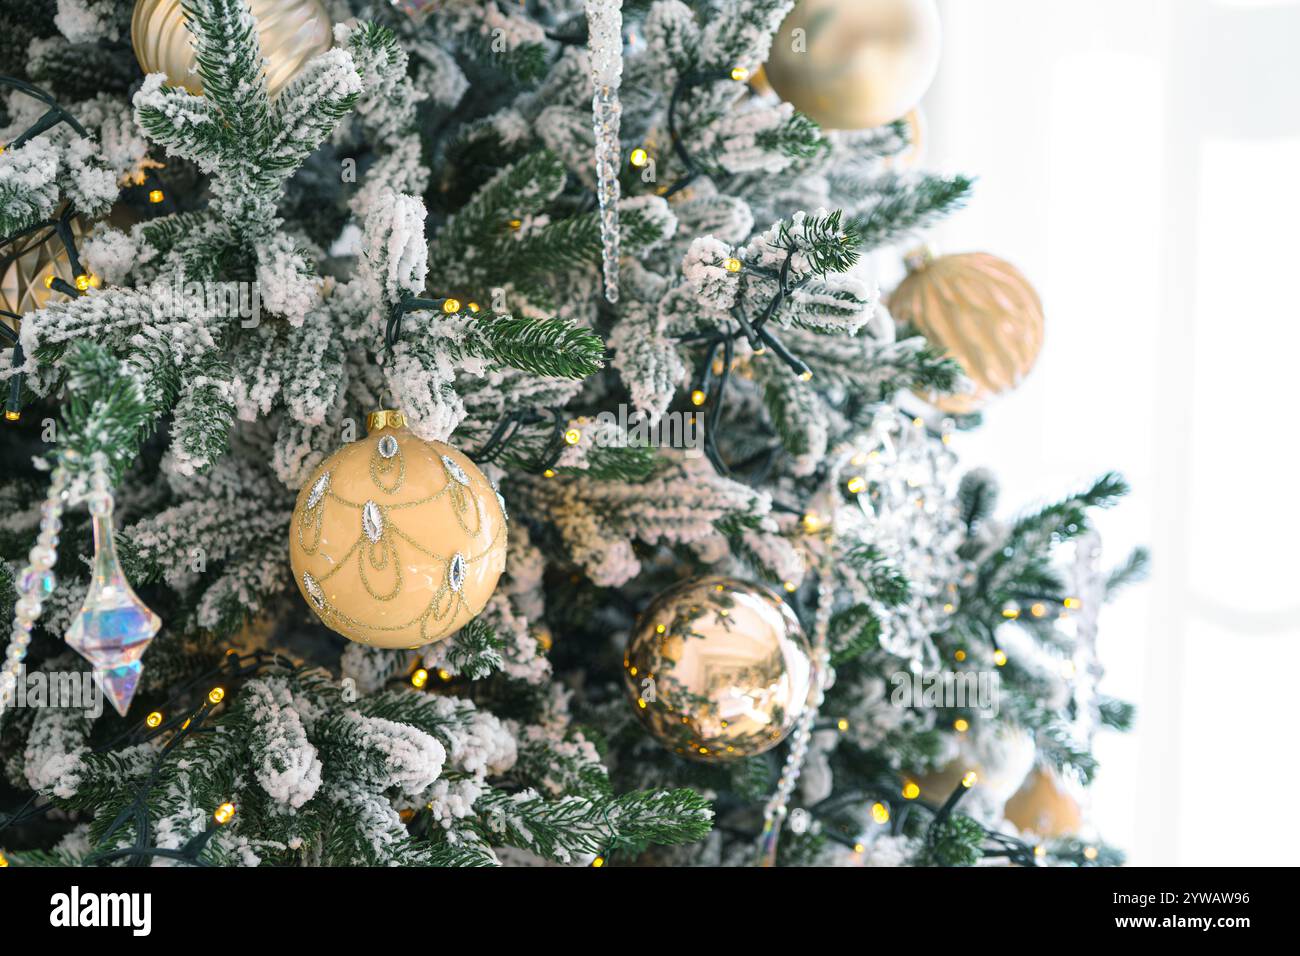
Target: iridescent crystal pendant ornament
x: 114, y: 627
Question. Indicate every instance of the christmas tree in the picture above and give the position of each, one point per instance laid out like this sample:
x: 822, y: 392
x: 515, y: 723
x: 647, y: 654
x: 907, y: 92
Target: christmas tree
x: 656, y: 549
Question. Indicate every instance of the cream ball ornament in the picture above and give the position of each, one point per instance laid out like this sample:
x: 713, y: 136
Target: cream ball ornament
x: 855, y: 64
x: 395, y: 541
x: 290, y: 33
x: 718, y: 669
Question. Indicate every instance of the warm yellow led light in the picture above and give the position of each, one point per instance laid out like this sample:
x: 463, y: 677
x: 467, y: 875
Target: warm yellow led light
x: 515, y: 223
x: 1010, y: 612
x: 732, y: 264
x: 961, y: 725
x: 549, y: 473
x: 154, y: 720
x: 842, y: 724
x: 155, y: 196
x: 598, y: 862
x: 224, y: 813
x: 880, y: 813
x: 1090, y: 852
x: 960, y: 655
x: 82, y: 282
x: 970, y: 779
x: 216, y: 695
x: 451, y: 305
x: 11, y: 415
x: 1000, y: 657
x: 857, y: 484
x: 790, y: 586
x: 911, y: 791
x: 419, y: 678
x: 858, y: 848
x: 444, y: 675
x: 1072, y: 603
x: 805, y: 376
x: 573, y: 436
x: 739, y: 74
x: 698, y: 397
x: 473, y: 306
x: 49, y: 281
x: 1038, y: 610
x: 639, y: 157
x: 812, y: 522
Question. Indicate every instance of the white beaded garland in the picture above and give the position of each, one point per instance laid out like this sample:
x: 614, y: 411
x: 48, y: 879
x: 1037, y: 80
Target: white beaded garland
x: 36, y: 581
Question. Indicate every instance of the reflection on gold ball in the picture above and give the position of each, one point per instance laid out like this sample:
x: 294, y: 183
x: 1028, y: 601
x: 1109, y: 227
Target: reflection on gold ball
x: 291, y: 32
x: 718, y: 669
x: 395, y: 541
x: 29, y: 266
x: 982, y: 312
x: 854, y: 64
x: 1043, y: 806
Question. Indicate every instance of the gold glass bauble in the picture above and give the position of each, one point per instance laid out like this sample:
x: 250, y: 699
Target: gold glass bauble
x: 396, y: 541
x: 854, y: 64
x: 1043, y: 806
x: 29, y: 266
x: 291, y: 32
x: 718, y: 669
x: 982, y: 311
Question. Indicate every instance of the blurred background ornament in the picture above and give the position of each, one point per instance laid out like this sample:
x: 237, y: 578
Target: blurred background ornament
x: 718, y: 669
x: 396, y: 541
x: 854, y: 64
x: 979, y: 309
x: 1044, y: 806
x: 32, y: 266
x: 1001, y: 756
x: 291, y: 32
x: 902, y: 480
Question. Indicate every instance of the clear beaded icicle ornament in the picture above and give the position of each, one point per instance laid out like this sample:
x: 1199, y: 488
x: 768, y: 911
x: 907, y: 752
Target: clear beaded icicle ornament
x: 114, y: 627
x: 605, y: 46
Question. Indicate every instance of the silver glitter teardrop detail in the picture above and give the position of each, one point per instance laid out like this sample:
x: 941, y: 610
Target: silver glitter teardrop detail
x: 501, y: 501
x: 313, y: 590
x: 605, y: 46
x: 455, y: 470
x: 372, y: 521
x: 387, y: 446
x: 318, y: 490
x: 456, y: 571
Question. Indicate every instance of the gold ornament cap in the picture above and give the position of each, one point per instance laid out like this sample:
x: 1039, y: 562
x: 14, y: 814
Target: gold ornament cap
x: 384, y: 418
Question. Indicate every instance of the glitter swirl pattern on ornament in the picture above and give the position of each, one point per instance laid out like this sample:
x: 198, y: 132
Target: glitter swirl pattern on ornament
x: 290, y: 32
x: 719, y: 669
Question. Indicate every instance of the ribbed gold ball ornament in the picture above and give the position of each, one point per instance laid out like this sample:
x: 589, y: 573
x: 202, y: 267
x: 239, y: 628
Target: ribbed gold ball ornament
x: 854, y: 64
x: 718, y: 669
x: 1043, y: 806
x: 396, y: 541
x: 982, y: 311
x: 291, y: 32
x: 29, y: 266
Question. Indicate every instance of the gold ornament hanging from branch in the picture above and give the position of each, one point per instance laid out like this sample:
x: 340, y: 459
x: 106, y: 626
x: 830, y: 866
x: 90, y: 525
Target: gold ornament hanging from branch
x: 855, y: 64
x: 718, y: 669
x: 290, y: 32
x: 30, y: 266
x: 982, y: 311
x: 1044, y: 806
x: 396, y: 541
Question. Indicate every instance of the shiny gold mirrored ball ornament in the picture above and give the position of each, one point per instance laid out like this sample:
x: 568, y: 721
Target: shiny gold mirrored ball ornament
x: 291, y: 32
x: 854, y: 64
x: 718, y: 669
x: 979, y: 309
x: 396, y: 541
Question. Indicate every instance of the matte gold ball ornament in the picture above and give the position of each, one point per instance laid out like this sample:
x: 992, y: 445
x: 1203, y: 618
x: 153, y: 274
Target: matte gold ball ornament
x: 982, y: 311
x: 855, y: 64
x: 396, y: 541
x: 290, y: 32
x: 1044, y: 806
x: 718, y: 669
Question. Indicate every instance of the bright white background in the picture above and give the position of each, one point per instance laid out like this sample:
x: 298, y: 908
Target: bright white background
x: 1139, y: 160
